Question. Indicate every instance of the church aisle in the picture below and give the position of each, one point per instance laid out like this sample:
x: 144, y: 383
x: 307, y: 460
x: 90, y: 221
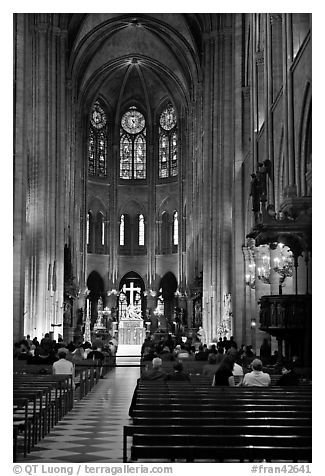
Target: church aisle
x: 93, y: 431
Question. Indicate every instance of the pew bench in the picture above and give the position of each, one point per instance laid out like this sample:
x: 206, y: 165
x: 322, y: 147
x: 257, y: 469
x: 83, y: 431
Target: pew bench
x: 219, y: 423
x: 216, y: 430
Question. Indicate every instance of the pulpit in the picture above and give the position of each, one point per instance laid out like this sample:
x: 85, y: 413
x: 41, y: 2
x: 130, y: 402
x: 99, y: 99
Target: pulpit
x: 131, y: 332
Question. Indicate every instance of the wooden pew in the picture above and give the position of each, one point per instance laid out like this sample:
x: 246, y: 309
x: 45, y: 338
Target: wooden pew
x: 220, y: 423
x: 220, y: 447
x: 21, y: 422
x: 48, y: 398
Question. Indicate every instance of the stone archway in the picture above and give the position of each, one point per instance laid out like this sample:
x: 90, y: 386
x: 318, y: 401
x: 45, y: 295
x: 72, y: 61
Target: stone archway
x: 168, y: 286
x: 131, y: 309
x: 95, y: 284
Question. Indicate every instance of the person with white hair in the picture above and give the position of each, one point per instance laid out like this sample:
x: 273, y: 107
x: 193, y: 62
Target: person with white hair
x: 256, y: 378
x: 155, y: 373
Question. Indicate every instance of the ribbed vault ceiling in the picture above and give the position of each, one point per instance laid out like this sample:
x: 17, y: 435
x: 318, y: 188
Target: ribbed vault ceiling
x: 141, y: 57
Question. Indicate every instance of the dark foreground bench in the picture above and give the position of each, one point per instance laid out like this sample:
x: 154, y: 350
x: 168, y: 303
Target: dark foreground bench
x: 170, y: 427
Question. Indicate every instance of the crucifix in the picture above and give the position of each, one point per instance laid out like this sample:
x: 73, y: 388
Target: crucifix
x: 132, y: 290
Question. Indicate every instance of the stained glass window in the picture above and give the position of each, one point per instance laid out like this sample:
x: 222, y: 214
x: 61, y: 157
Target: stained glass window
x: 141, y: 230
x: 97, y: 142
x: 133, y: 145
x: 168, y: 164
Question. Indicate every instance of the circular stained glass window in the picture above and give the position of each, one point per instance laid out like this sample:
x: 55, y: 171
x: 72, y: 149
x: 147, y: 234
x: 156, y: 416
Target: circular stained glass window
x: 168, y: 118
x: 98, y: 117
x: 133, y: 121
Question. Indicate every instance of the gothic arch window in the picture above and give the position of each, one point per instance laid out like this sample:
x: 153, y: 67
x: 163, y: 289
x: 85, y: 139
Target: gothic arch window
x: 175, y: 229
x: 125, y: 234
x: 90, y: 232
x: 141, y: 230
x: 97, y: 142
x: 168, y: 143
x: 122, y: 228
x: 100, y: 233
x: 164, y: 233
x: 133, y: 145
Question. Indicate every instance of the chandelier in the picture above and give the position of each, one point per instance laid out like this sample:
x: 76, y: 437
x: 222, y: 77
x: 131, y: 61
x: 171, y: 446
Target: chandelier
x: 250, y: 276
x: 264, y: 271
x: 282, y: 264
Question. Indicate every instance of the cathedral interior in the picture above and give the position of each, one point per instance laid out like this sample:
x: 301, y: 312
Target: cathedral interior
x: 162, y: 174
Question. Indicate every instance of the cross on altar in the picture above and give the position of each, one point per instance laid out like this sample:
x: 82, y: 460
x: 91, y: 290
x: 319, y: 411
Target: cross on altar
x: 132, y: 290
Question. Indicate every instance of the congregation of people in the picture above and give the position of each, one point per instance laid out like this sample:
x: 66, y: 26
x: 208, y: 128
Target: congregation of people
x: 225, y: 363
x: 61, y: 357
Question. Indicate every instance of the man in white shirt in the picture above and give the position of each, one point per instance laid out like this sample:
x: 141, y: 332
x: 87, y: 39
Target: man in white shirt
x: 256, y: 378
x: 63, y: 366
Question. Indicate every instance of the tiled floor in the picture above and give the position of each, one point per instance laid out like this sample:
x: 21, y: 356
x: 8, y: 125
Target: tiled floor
x: 93, y: 430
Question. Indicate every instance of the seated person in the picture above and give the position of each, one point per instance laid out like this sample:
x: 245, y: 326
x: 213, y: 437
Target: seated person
x: 155, y: 373
x: 288, y: 377
x: 166, y: 354
x: 63, y: 366
x: 223, y: 376
x: 183, y: 353
x: 201, y: 354
x: 219, y: 355
x: 256, y: 378
x: 213, y: 349
x: 211, y: 367
x: 178, y: 373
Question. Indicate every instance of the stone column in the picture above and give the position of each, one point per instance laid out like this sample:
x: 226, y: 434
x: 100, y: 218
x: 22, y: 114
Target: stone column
x: 259, y: 57
x: 275, y: 49
x: 23, y: 183
x: 218, y: 156
x: 290, y: 104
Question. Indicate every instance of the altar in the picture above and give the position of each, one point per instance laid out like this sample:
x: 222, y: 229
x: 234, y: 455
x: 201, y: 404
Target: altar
x: 131, y: 332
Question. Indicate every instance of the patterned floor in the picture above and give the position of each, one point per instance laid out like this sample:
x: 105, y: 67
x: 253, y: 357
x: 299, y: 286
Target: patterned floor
x: 92, y: 431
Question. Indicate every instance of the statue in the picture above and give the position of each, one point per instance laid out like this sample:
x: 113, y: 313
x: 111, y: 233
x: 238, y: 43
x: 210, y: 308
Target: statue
x: 133, y: 312
x: 255, y: 193
x: 202, y: 335
x: 99, y: 323
x: 122, y: 305
x: 197, y: 314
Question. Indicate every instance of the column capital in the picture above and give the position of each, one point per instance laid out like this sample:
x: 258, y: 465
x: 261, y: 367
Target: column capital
x: 275, y: 18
